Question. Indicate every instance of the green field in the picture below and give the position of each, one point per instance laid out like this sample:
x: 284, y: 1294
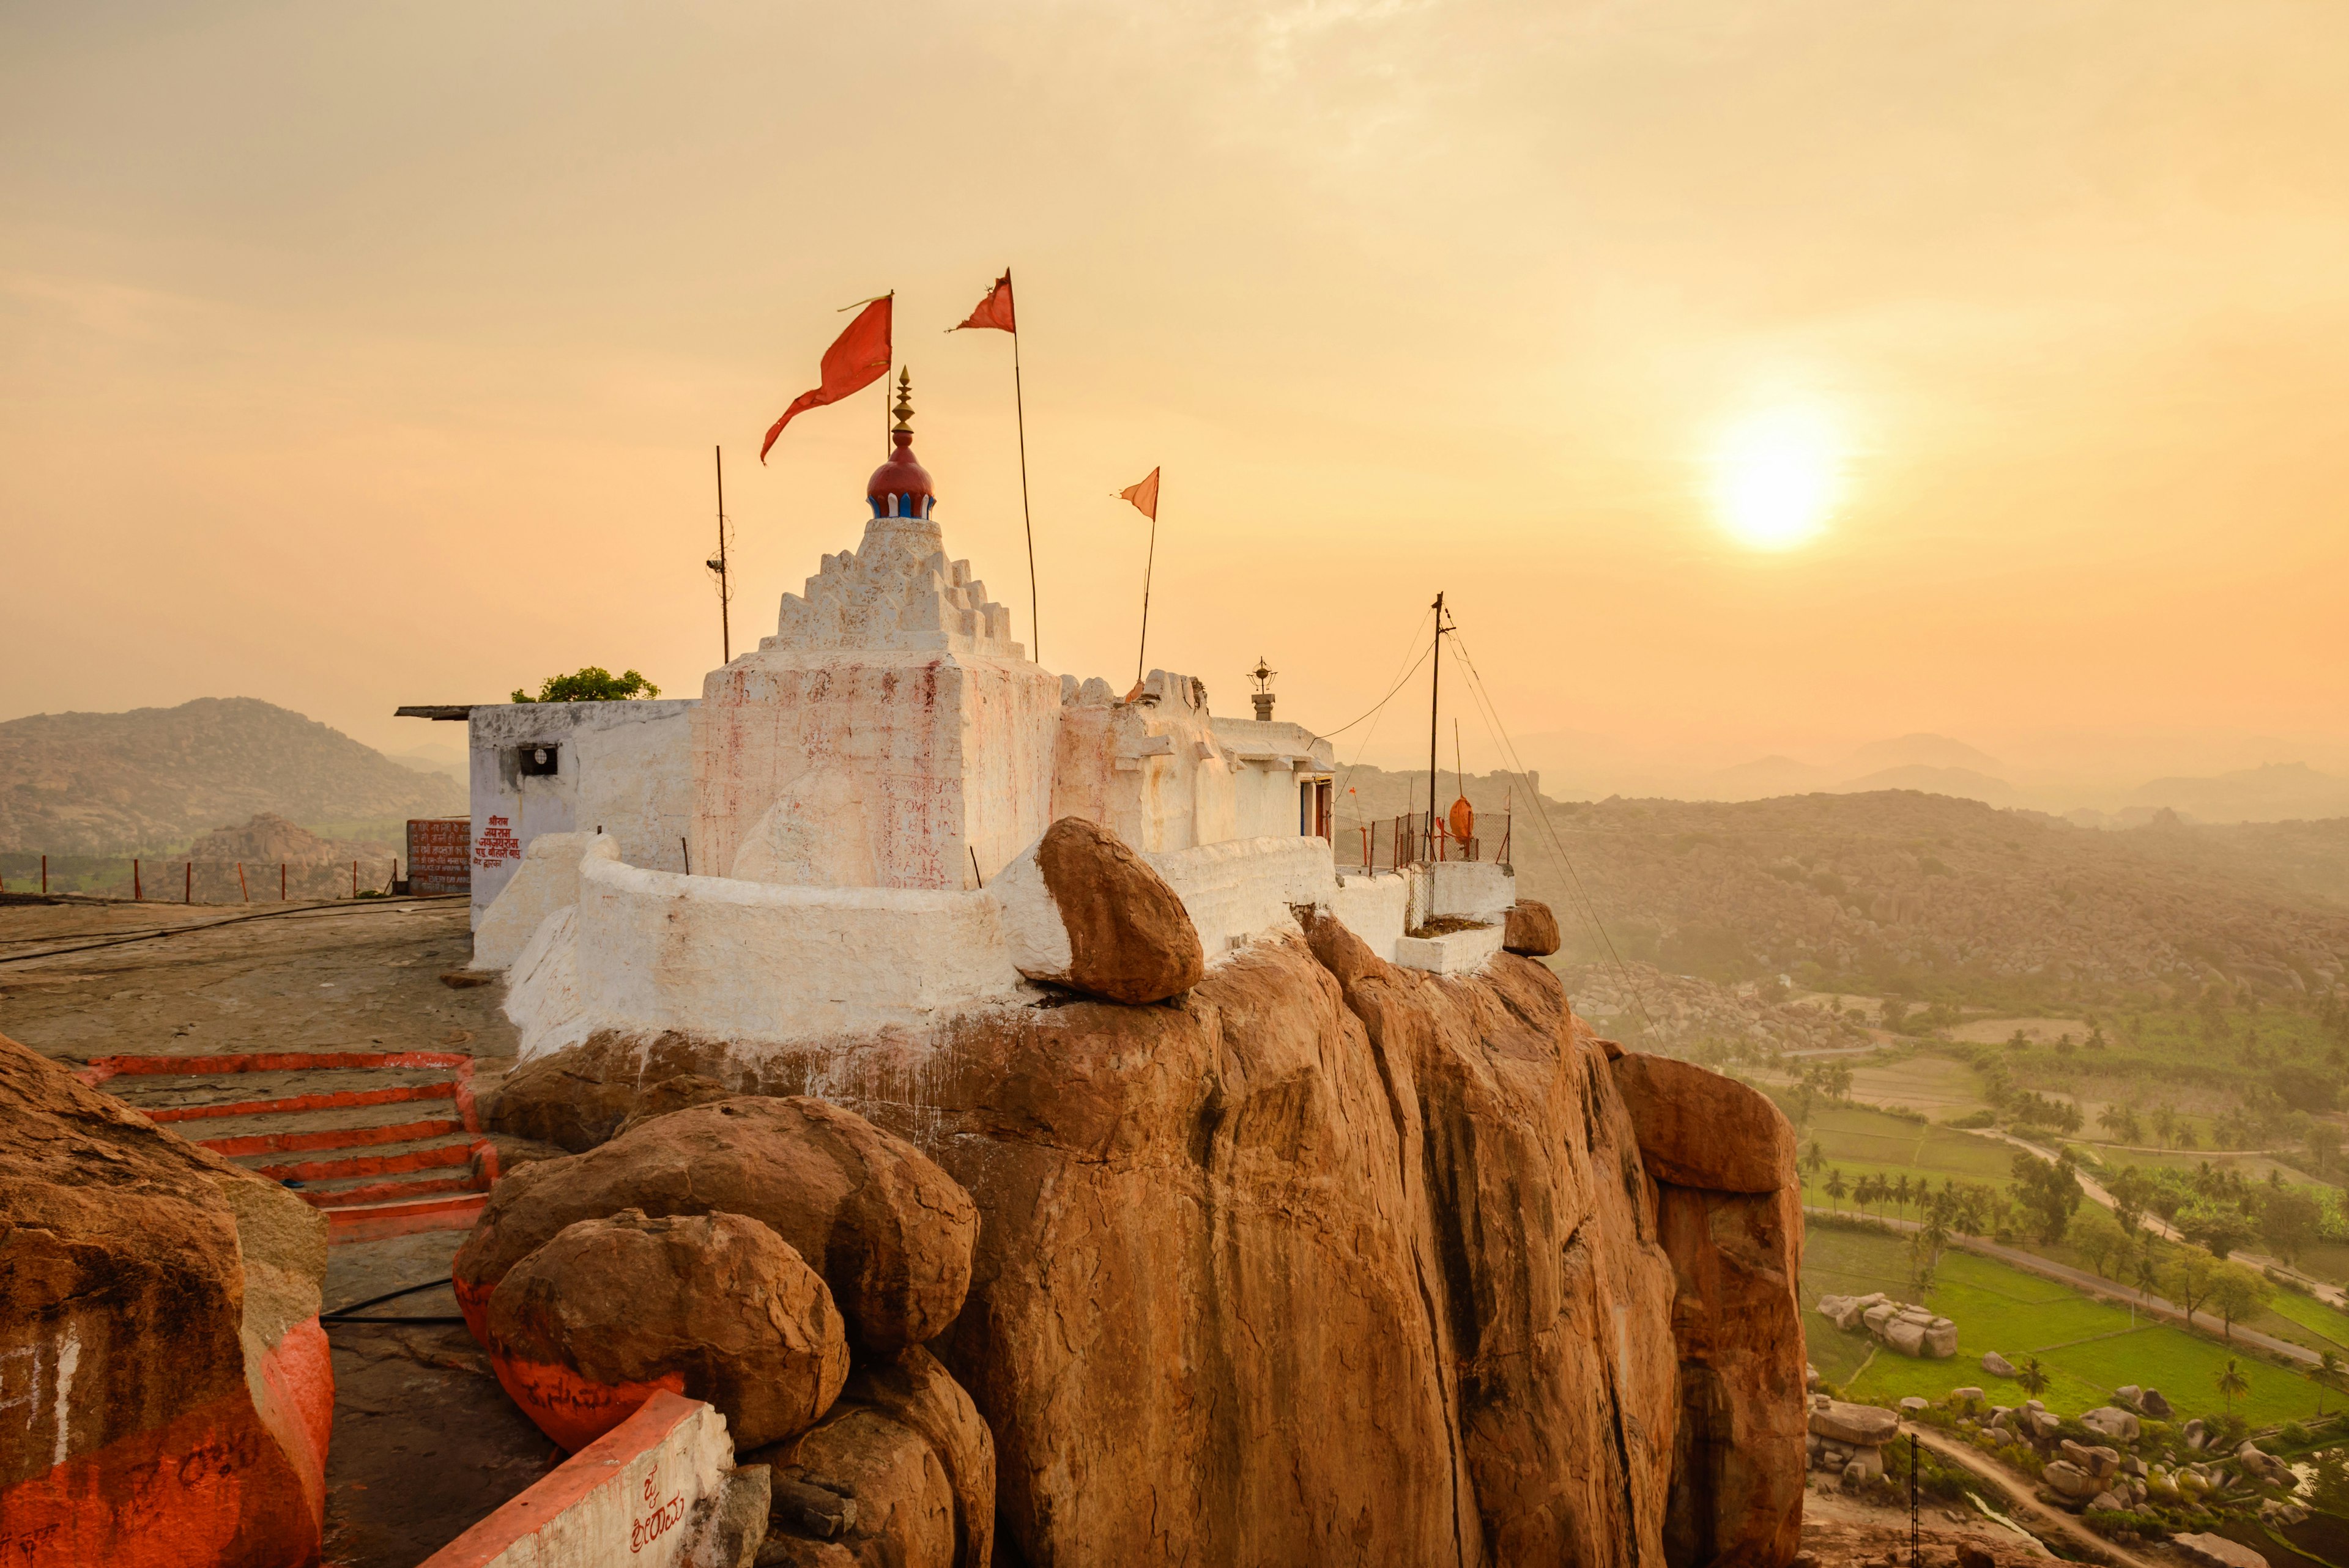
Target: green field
x: 2087, y: 1347
x: 1860, y: 1142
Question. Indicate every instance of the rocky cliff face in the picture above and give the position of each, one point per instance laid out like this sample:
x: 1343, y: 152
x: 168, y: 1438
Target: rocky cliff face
x: 1324, y: 1261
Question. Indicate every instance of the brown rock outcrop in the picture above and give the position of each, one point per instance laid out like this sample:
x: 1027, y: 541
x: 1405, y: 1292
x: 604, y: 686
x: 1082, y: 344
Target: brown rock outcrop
x: 1728, y: 1204
x: 1084, y: 911
x: 889, y: 1231
x: 719, y: 1299
x: 1698, y: 1128
x: 906, y: 1442
x: 1327, y: 1261
x: 159, y: 1308
x: 1532, y: 929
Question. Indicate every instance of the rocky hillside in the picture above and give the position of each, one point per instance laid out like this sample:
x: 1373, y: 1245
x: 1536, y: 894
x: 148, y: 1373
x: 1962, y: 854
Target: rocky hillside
x: 154, y: 778
x: 1874, y: 892
x: 1323, y: 1261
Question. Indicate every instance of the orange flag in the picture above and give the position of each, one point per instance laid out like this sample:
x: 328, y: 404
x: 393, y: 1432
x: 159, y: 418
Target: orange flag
x: 995, y: 309
x: 857, y: 358
x: 1144, y: 496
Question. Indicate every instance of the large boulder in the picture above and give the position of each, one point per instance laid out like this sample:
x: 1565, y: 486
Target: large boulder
x: 890, y: 1232
x: 1532, y: 929
x: 2152, y: 1403
x: 2069, y: 1481
x: 1941, y: 1339
x: 715, y: 1307
x: 2216, y: 1550
x: 1327, y: 1261
x: 1997, y: 1366
x: 1859, y: 1426
x: 2111, y: 1422
x: 1907, y: 1338
x: 167, y: 1388
x: 1082, y: 910
x: 906, y: 1446
x: 1699, y: 1129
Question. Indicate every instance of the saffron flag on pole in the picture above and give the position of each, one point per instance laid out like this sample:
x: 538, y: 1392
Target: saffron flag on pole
x: 857, y: 358
x: 995, y: 309
x: 1144, y: 496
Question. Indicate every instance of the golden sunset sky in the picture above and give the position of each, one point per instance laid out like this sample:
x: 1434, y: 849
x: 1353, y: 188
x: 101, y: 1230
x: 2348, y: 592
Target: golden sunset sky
x: 359, y: 354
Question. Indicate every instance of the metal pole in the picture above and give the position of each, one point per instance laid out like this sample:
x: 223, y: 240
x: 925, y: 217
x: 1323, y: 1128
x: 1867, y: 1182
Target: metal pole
x: 1142, y: 652
x: 1019, y: 407
x: 1434, y: 694
x: 725, y: 624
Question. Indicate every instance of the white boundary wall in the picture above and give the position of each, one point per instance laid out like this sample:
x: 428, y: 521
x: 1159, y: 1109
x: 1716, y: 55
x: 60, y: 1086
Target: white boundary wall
x: 1243, y: 888
x: 1375, y: 906
x: 760, y: 961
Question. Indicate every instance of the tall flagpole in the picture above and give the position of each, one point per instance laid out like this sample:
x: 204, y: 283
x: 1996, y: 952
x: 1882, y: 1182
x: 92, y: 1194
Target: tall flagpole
x: 1035, y: 630
x: 1143, y: 651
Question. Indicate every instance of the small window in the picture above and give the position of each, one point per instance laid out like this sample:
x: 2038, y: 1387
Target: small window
x: 538, y: 760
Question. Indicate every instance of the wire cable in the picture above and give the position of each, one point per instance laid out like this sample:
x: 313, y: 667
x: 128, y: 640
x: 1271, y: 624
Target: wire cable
x: 1491, y: 713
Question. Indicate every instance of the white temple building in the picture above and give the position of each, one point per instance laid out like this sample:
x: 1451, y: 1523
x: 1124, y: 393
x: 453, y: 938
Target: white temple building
x: 808, y: 850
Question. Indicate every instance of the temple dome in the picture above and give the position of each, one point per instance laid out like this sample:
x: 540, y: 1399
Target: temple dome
x: 901, y: 487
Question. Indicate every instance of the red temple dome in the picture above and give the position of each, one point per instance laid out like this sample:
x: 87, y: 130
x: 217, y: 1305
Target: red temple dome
x: 901, y: 487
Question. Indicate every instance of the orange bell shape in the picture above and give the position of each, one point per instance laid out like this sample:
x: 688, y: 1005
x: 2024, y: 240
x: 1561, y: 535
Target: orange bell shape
x: 1463, y: 818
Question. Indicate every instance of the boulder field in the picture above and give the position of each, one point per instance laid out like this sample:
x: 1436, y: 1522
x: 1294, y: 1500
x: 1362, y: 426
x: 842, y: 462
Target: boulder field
x: 165, y: 1385
x: 1317, y: 1259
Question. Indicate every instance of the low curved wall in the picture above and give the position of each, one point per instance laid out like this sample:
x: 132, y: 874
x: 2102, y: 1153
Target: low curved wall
x: 1243, y: 888
x: 759, y: 960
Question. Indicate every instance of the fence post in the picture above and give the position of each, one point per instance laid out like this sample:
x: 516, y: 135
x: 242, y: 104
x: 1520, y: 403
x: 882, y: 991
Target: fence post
x: 188, y: 886
x: 354, y: 879
x: 44, y: 876
x: 281, y: 881
x: 136, y: 896
x: 242, y: 891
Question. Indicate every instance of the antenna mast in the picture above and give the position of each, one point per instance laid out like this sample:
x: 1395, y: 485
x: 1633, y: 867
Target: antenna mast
x: 717, y: 563
x: 1435, y: 691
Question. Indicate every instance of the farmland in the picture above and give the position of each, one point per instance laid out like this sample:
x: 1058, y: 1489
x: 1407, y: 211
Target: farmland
x: 2087, y: 1347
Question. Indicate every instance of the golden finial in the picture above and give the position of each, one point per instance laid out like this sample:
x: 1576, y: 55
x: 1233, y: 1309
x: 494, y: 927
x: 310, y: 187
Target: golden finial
x: 904, y: 410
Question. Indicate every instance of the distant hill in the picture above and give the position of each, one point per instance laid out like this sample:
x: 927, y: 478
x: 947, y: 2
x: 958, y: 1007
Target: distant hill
x: 1922, y: 751
x: 1961, y: 783
x: 155, y: 778
x: 1897, y: 887
x: 2279, y: 792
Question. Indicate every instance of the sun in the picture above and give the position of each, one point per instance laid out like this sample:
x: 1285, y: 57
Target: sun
x: 1777, y: 476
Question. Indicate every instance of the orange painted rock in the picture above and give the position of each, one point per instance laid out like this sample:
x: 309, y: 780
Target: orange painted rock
x: 168, y: 1386
x: 890, y: 1232
x: 714, y: 1306
x: 1532, y: 929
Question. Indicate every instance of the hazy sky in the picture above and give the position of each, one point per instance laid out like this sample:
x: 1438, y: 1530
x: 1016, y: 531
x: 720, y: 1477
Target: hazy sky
x: 359, y: 354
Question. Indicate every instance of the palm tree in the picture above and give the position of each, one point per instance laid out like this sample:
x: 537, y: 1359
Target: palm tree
x: 1814, y: 1158
x: 1900, y: 1192
x: 1836, y: 1189
x: 2033, y: 1376
x: 2231, y: 1383
x: 2148, y: 1273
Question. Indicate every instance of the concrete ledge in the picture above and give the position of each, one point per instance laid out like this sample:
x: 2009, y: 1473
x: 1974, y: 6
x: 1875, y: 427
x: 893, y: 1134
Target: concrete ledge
x: 625, y: 1498
x: 1454, y: 953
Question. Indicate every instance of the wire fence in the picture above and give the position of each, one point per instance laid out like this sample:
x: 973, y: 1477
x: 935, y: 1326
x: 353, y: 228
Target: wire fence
x: 181, y: 880
x: 1418, y: 838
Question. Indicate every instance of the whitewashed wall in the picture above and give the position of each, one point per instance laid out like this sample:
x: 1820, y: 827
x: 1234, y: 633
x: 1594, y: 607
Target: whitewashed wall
x: 623, y: 766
